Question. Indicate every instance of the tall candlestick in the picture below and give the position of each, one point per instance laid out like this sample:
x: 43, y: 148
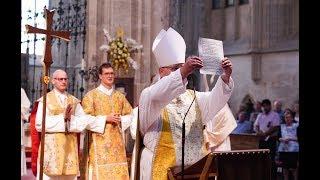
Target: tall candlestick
x: 83, y: 64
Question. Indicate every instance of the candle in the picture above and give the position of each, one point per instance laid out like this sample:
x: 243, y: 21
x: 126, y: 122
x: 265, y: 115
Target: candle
x: 83, y: 64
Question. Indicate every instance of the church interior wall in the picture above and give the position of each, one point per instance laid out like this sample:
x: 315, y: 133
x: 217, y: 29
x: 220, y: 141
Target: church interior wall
x: 143, y: 19
x: 280, y: 72
x: 279, y: 79
x: 241, y: 75
x: 245, y: 21
x: 230, y: 24
x: 227, y: 17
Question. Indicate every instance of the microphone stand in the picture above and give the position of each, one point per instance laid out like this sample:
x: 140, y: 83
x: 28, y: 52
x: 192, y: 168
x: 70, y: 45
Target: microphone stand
x: 183, y: 133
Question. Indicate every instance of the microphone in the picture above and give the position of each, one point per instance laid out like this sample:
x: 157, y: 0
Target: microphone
x: 183, y: 127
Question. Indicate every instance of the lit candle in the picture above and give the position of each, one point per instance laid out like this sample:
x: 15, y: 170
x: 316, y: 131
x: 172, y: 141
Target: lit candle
x: 83, y: 64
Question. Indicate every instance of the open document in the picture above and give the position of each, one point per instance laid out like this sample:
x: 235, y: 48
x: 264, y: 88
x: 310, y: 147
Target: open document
x: 211, y: 52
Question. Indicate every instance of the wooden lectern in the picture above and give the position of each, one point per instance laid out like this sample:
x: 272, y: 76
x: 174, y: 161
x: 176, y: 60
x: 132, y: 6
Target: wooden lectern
x: 244, y: 141
x: 228, y: 165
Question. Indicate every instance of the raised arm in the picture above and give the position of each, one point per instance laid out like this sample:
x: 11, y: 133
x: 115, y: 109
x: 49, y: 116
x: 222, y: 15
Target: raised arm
x: 157, y: 96
x: 212, y: 102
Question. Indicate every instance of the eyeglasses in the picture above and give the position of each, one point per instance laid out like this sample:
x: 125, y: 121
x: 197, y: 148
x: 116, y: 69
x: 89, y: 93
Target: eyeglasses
x: 61, y: 79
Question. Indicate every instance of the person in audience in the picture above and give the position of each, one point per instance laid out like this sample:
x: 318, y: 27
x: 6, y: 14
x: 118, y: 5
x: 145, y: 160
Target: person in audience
x: 296, y: 111
x: 242, y: 108
x: 257, y: 110
x: 289, y: 146
x: 287, y: 110
x: 267, y: 126
x: 278, y: 108
x: 243, y: 126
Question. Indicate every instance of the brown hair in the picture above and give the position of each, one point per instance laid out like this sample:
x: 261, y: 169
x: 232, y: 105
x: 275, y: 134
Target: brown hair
x: 104, y: 65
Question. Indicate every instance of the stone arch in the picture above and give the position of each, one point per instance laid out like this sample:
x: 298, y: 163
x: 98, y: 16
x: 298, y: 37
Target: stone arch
x: 248, y: 103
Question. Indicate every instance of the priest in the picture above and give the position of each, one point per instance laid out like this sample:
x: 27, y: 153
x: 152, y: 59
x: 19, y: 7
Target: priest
x: 64, y: 119
x: 105, y: 154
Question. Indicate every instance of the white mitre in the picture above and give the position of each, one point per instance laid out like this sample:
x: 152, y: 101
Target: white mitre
x: 169, y: 48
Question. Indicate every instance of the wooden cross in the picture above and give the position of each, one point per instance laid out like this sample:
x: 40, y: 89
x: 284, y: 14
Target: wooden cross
x: 65, y: 35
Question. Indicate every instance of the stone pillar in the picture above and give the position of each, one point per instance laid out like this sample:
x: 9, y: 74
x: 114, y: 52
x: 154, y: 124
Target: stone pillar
x: 256, y: 40
x: 158, y: 21
x: 295, y: 21
x: 92, y: 36
x: 206, y: 8
x: 223, y: 17
x: 237, y: 20
x: 142, y: 76
x: 256, y: 67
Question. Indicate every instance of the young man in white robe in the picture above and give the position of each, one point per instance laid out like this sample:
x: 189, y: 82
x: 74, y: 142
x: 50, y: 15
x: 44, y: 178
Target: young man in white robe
x: 163, y: 105
x: 64, y: 118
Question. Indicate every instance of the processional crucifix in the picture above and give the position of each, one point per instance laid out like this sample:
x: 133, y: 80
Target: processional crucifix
x: 65, y: 35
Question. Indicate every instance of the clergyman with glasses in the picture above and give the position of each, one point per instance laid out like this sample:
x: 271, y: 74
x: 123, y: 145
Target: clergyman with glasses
x: 64, y: 119
x: 104, y: 153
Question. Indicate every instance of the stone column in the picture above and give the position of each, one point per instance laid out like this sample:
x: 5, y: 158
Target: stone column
x: 91, y: 36
x: 142, y: 76
x: 237, y: 20
x: 206, y: 8
x: 223, y: 17
x: 256, y: 40
x: 256, y: 67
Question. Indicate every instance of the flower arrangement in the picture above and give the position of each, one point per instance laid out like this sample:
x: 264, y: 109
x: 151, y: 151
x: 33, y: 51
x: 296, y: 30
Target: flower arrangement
x: 119, y: 50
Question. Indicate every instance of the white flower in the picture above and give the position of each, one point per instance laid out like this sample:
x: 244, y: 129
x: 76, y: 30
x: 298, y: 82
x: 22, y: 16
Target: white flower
x: 130, y: 45
x: 131, y: 42
x: 133, y: 63
x: 107, y: 35
x: 135, y: 48
x: 104, y: 47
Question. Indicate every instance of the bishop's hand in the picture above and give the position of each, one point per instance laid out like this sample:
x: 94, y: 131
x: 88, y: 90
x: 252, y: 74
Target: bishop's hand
x: 227, y: 70
x: 192, y: 63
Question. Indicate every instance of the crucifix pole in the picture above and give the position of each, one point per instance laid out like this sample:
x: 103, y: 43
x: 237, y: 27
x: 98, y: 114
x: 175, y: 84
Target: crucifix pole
x: 65, y: 35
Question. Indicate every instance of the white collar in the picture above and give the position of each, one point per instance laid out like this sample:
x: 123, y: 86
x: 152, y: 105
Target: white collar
x: 105, y: 90
x: 59, y: 94
x: 61, y: 97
